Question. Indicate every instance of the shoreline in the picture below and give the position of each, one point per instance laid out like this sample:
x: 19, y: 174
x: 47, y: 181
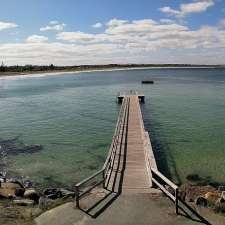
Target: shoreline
x: 7, y: 75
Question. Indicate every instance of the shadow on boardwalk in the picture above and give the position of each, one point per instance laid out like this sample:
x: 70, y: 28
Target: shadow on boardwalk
x: 97, y: 202
x: 97, y: 207
x: 190, y: 213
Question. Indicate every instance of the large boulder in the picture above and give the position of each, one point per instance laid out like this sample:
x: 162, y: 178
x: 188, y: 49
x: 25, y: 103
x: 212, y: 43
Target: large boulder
x: 11, y: 190
x: 201, y: 201
x: 212, y: 197
x: 31, y: 194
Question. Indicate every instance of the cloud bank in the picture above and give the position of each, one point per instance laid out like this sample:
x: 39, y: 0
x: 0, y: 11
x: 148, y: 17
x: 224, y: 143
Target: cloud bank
x: 7, y: 25
x: 188, y: 8
x: 123, y: 41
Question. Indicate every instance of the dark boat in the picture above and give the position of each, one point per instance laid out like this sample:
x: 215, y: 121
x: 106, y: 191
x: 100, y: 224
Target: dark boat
x: 147, y: 82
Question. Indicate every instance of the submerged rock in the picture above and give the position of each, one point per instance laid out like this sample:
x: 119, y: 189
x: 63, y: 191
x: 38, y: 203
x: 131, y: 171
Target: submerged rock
x: 67, y: 193
x: 52, y: 193
x: 15, y: 146
x: 55, y: 193
x: 28, y: 184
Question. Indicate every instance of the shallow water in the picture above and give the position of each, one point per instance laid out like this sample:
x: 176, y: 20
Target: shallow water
x: 74, y: 115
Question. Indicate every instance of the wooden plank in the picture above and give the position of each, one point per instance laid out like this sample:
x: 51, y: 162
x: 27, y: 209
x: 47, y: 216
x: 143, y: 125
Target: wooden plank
x: 136, y: 173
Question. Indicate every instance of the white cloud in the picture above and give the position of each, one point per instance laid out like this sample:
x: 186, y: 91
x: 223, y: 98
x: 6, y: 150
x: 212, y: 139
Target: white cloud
x: 196, y: 7
x: 169, y: 10
x: 167, y: 21
x: 53, y: 26
x: 53, y: 22
x: 222, y: 23
x: 75, y: 36
x: 115, y: 22
x: 123, y: 41
x: 7, y: 25
x: 97, y: 25
x: 36, y: 39
x: 188, y: 8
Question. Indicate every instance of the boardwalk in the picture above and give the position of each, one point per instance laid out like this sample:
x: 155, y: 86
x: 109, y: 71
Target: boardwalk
x: 130, y: 169
x: 127, y: 178
x: 137, y: 175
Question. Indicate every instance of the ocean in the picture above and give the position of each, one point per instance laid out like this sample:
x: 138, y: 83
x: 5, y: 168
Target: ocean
x: 73, y: 117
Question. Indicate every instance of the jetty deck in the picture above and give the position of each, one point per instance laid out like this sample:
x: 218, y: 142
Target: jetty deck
x: 130, y: 166
x: 137, y: 174
x: 130, y: 180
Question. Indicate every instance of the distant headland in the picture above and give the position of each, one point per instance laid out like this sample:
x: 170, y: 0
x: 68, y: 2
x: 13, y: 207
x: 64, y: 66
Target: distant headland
x: 32, y: 69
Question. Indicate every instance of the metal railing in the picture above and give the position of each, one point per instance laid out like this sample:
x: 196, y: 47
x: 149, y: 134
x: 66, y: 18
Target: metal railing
x: 171, y: 190
x: 80, y: 189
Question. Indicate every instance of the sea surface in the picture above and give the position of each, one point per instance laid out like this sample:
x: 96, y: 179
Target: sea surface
x: 73, y: 117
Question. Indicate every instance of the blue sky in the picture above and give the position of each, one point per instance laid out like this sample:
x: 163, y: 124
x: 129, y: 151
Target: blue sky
x: 68, y: 32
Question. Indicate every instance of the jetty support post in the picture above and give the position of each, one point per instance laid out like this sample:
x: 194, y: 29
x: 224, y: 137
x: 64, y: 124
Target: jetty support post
x: 120, y: 99
x: 77, y: 197
x: 141, y: 98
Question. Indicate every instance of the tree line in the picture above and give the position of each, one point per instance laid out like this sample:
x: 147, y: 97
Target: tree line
x: 51, y: 67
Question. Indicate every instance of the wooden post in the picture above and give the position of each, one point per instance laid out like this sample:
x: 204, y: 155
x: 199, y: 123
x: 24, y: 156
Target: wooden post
x: 77, y: 199
x: 176, y: 200
x: 103, y: 177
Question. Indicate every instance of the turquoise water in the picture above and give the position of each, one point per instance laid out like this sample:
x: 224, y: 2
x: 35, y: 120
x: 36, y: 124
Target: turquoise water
x: 73, y: 117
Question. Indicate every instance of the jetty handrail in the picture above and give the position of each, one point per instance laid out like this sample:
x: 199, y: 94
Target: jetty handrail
x: 174, y: 195
x: 110, y: 156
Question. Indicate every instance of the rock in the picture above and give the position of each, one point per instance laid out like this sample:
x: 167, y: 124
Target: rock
x: 223, y: 195
x: 15, y: 181
x: 44, y: 202
x: 23, y: 202
x: 28, y: 184
x: 53, y: 193
x: 11, y: 190
x: 212, y: 197
x: 221, y: 188
x: 32, y: 194
x: 220, y: 201
x: 182, y: 195
x: 201, y: 201
x: 194, y: 191
x: 66, y: 193
x: 193, y: 177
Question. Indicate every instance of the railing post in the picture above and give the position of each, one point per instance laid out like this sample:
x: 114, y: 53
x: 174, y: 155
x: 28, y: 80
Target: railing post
x: 103, y: 177
x: 77, y: 197
x: 176, y: 200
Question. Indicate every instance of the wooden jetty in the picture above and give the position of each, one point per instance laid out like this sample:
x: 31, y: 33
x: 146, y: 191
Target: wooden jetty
x: 130, y: 166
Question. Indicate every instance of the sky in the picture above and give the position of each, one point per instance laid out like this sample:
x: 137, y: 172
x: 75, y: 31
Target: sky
x: 69, y: 32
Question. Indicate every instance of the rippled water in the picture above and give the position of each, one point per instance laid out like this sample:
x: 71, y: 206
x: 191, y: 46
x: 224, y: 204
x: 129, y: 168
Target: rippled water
x: 73, y: 116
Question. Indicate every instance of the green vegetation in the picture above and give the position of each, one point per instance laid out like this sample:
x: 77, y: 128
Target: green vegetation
x: 45, y: 68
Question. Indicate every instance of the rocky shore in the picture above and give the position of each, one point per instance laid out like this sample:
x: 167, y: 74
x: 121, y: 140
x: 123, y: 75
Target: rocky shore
x: 203, y: 194
x: 21, y: 202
